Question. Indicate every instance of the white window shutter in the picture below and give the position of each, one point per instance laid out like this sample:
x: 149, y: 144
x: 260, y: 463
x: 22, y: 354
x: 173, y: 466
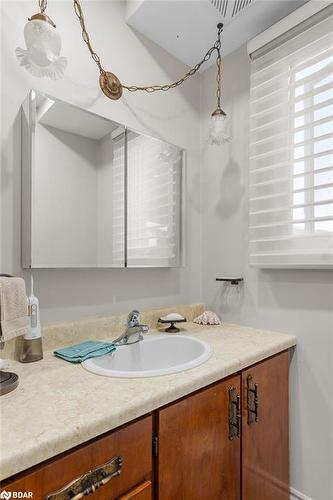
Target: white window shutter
x: 291, y: 151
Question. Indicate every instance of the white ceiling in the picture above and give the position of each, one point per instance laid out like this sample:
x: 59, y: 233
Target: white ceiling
x: 187, y: 28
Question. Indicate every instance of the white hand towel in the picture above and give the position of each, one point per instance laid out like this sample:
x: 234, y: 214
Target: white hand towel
x: 13, y: 308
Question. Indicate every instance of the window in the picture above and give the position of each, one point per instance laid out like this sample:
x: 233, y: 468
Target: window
x: 291, y: 149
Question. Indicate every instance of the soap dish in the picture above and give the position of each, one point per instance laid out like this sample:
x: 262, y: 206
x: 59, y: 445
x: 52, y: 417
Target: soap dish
x: 172, y: 328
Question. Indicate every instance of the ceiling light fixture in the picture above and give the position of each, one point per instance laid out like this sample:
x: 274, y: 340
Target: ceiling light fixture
x: 113, y: 88
x: 43, y: 42
x: 42, y: 58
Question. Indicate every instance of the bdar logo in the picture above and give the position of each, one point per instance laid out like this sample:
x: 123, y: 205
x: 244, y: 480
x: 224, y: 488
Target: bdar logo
x: 5, y: 494
x: 15, y: 494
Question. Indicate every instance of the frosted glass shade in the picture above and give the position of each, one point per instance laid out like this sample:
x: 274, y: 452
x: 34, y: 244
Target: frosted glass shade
x: 219, y: 129
x: 42, y: 55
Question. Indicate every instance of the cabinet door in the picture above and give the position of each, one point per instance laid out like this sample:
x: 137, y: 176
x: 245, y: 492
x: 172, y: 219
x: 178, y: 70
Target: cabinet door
x: 265, y: 440
x: 54, y: 479
x: 196, y: 457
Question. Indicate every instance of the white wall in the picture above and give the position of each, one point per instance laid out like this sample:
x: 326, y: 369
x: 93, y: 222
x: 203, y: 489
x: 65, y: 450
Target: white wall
x: 297, y: 302
x: 172, y: 116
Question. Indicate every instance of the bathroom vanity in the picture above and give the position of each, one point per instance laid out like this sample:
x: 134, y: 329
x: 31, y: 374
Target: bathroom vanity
x: 218, y: 431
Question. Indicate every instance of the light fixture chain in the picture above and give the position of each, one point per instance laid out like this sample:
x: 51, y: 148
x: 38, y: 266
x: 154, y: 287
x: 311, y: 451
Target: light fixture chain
x: 85, y: 34
x: 193, y: 71
x: 153, y: 88
x: 218, y: 80
x: 219, y: 68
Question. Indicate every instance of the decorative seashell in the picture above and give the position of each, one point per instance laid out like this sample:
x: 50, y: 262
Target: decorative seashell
x: 42, y: 56
x: 207, y: 318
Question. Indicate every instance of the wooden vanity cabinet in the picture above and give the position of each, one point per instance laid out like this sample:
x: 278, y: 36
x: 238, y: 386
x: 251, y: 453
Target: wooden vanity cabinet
x: 198, y: 453
x: 265, y: 435
x: 132, y: 443
x: 212, y: 445
x: 228, y: 441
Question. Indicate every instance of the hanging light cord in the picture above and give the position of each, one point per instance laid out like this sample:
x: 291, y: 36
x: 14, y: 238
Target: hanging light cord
x: 154, y: 88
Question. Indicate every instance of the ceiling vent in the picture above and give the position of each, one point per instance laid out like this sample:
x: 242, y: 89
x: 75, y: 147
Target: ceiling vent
x: 230, y: 8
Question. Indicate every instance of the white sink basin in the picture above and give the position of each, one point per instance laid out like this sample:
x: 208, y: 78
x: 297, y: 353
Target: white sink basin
x: 155, y: 355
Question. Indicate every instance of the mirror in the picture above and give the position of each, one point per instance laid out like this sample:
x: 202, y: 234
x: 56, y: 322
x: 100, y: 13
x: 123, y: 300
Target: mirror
x: 73, y: 181
x: 94, y: 193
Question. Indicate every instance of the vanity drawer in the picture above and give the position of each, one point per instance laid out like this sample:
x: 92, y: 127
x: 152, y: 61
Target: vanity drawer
x: 93, y: 467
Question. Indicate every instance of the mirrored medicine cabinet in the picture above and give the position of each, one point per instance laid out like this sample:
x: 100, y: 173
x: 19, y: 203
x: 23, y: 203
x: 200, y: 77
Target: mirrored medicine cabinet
x: 96, y: 193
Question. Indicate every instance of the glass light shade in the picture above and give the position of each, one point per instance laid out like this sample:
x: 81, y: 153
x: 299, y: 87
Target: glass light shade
x: 219, y: 129
x: 42, y: 55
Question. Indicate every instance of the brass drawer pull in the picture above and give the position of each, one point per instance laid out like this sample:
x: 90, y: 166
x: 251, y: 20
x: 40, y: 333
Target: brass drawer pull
x: 234, y: 414
x: 88, y: 482
x: 252, y: 399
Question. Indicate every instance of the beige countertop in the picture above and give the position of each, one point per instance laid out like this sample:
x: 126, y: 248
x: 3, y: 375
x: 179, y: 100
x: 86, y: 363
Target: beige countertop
x: 58, y: 405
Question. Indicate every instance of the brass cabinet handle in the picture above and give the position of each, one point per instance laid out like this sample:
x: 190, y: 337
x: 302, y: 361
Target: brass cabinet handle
x: 252, y: 401
x: 234, y: 414
x: 88, y: 482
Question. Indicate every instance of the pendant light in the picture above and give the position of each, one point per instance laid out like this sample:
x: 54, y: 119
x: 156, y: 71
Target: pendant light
x: 43, y: 45
x: 219, y: 122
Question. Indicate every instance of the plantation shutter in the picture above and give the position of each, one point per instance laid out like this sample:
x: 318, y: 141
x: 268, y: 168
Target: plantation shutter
x: 291, y: 149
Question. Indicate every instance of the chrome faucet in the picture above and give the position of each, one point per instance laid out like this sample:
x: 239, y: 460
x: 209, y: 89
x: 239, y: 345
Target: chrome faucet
x: 134, y: 330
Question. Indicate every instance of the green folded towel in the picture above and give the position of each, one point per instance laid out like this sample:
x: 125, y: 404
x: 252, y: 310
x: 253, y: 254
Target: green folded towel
x: 85, y: 350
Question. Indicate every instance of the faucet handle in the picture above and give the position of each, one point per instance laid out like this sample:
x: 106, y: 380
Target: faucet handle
x: 133, y: 318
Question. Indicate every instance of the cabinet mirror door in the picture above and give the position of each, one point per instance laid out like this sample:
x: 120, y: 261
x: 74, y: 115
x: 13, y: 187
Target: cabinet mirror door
x: 72, y: 186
